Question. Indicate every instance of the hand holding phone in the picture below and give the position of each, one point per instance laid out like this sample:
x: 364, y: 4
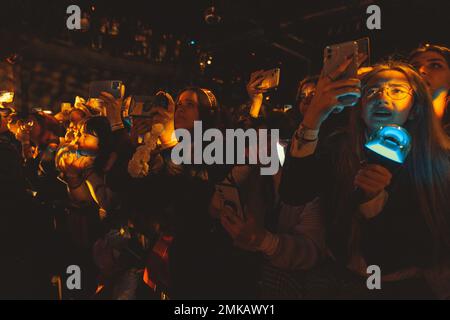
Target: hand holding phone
x: 267, y: 79
x: 253, y: 86
x: 342, y: 62
x: 141, y: 106
x: 111, y: 108
x: 332, y: 92
x: 338, y: 54
x: 113, y: 87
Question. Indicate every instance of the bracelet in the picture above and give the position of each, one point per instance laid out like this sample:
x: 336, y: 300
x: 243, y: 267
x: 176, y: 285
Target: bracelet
x: 306, y: 134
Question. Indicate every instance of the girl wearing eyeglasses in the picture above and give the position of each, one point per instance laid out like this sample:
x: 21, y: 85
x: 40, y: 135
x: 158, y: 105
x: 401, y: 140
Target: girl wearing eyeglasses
x: 398, y: 221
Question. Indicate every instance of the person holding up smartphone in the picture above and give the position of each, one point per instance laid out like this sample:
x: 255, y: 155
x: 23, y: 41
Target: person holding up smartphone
x: 260, y: 82
x: 394, y: 228
x: 255, y: 92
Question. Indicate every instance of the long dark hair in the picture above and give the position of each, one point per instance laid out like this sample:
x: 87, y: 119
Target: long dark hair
x: 99, y: 127
x: 208, y: 107
x: 428, y: 163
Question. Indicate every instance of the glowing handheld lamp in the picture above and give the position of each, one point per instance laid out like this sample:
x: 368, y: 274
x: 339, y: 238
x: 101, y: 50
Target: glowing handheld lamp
x: 391, y: 142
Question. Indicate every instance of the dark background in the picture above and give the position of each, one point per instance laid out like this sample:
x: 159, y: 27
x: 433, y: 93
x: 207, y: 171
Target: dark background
x: 56, y: 64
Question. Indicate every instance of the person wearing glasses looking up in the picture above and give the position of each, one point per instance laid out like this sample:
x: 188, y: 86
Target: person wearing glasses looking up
x: 400, y: 220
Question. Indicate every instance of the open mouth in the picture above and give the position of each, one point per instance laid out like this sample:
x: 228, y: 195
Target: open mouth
x: 382, y: 114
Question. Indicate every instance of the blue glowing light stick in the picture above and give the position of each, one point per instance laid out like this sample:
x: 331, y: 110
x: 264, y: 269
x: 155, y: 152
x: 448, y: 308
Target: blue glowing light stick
x: 391, y: 142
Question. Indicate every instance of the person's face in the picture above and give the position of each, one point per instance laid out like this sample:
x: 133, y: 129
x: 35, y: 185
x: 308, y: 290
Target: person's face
x: 86, y: 141
x: 186, y: 110
x: 306, y: 94
x: 387, y: 99
x: 434, y: 69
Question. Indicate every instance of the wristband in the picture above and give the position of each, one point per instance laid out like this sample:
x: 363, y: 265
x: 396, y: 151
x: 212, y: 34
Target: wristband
x: 304, y: 133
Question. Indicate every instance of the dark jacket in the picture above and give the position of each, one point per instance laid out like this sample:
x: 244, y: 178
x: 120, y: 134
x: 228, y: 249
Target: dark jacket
x: 25, y: 240
x: 203, y: 262
x: 396, y: 238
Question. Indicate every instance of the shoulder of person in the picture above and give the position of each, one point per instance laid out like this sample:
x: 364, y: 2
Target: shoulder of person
x: 8, y: 152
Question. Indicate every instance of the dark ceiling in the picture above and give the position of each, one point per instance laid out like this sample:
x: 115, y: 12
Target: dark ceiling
x: 255, y: 34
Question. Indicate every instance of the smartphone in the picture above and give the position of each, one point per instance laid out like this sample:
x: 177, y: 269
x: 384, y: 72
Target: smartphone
x: 270, y: 78
x: 363, y: 52
x: 113, y: 87
x: 230, y: 195
x: 141, y: 106
x: 334, y: 55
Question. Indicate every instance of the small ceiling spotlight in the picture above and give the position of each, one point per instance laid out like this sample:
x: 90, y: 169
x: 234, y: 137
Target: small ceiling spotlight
x: 211, y: 16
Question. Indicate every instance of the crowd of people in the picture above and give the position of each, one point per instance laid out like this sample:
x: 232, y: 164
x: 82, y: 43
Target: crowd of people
x: 95, y: 186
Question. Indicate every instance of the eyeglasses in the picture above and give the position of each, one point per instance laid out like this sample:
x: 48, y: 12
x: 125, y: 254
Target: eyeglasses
x: 394, y: 91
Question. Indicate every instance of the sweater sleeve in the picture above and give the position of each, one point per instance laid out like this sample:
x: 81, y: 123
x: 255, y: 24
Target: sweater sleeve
x: 438, y: 278
x: 301, y: 237
x: 308, y: 172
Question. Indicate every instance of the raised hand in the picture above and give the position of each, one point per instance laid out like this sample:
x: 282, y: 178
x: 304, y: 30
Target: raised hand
x: 329, y: 93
